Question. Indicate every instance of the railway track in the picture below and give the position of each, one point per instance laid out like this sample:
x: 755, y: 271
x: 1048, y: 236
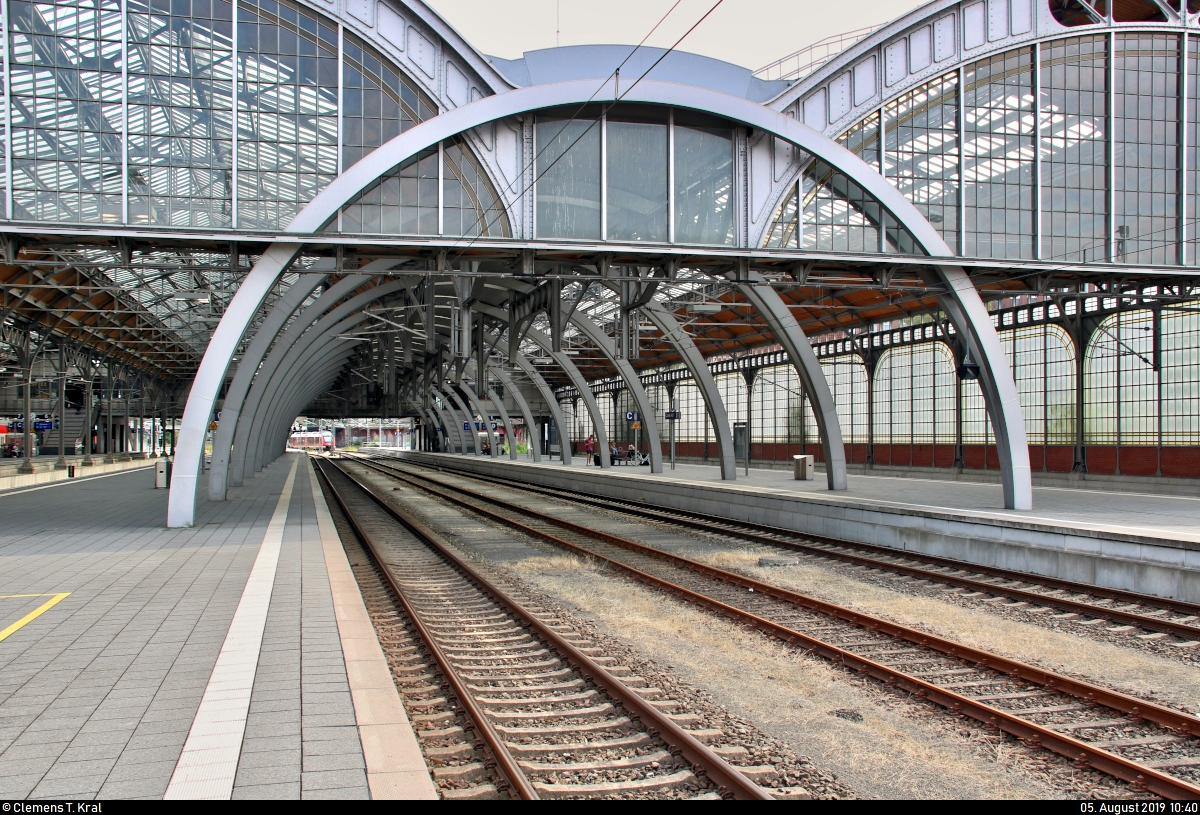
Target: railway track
x: 1155, y: 748
x: 1151, y: 618
x: 533, y: 715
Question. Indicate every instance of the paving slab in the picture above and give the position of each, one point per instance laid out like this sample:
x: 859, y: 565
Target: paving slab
x: 100, y: 691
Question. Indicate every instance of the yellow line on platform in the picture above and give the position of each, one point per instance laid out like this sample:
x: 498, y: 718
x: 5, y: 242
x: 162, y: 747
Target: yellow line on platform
x: 33, y: 615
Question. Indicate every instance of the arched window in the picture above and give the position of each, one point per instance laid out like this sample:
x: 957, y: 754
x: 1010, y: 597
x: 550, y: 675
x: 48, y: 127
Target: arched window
x: 914, y: 395
x: 775, y: 406
x: 1121, y: 385
x: 847, y: 378
x: 693, y: 418
x: 732, y: 387
x: 1180, y: 328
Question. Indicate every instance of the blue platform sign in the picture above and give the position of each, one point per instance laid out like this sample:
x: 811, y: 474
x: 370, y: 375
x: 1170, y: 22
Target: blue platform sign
x: 43, y: 425
x: 633, y: 416
x: 466, y: 426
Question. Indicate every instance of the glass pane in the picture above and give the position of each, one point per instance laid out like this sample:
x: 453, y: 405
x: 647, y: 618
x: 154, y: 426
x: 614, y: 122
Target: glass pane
x: 637, y: 181
x: 470, y: 205
x: 1146, y: 135
x: 378, y: 101
x: 922, y: 151
x: 287, y: 110
x: 568, y: 179
x: 703, y: 185
x: 1074, y: 144
x: 999, y: 123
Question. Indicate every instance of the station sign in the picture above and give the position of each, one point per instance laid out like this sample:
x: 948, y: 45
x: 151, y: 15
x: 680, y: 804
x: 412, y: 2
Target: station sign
x: 672, y: 415
x: 739, y: 424
x: 633, y: 416
x: 43, y: 425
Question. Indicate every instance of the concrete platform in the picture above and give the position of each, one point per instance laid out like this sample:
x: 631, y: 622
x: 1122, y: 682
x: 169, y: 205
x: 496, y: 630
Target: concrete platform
x: 233, y: 659
x: 44, y: 472
x: 1128, y: 540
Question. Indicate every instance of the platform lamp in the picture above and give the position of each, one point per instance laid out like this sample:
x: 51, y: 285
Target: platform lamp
x: 969, y: 370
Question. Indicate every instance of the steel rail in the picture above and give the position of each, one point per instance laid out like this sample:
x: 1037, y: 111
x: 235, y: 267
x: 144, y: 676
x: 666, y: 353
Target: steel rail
x: 507, y: 764
x: 722, y: 773
x: 762, y: 533
x: 1078, y: 751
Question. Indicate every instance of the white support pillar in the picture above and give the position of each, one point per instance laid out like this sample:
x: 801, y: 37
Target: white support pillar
x: 247, y: 367
x: 519, y: 398
x: 682, y: 342
x: 788, y: 333
x: 181, y: 504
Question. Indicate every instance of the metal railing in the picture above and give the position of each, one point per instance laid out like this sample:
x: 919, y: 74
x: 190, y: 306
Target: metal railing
x: 810, y: 58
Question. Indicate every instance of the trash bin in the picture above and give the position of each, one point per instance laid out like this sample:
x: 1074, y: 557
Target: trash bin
x: 804, y: 468
x: 162, y: 474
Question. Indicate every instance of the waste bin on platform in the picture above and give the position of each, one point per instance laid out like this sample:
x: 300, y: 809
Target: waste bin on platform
x: 162, y: 474
x: 804, y: 468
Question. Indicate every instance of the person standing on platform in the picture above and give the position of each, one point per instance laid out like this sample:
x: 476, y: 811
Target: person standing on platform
x: 589, y: 447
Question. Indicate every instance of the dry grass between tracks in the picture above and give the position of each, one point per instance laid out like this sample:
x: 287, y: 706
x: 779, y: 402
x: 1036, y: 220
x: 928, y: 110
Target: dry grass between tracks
x: 895, y: 750
x: 1127, y: 669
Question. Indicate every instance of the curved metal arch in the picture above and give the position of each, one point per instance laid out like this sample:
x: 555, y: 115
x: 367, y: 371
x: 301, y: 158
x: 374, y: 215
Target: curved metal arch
x: 468, y: 419
x: 484, y: 415
x: 248, y: 404
x: 577, y: 378
x: 1004, y: 404
x: 277, y: 413
x: 452, y: 422
x: 564, y: 433
x: 498, y: 403
x: 359, y: 177
x: 787, y: 331
x: 673, y: 333
x: 298, y: 343
x: 518, y: 397
x: 247, y: 367
x: 232, y: 430
x: 294, y: 352
x: 293, y: 402
x: 632, y: 382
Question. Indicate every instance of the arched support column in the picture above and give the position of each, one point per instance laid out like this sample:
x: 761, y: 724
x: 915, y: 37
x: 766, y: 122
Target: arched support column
x: 247, y: 367
x: 589, y: 399
x: 249, y: 406
x: 523, y: 406
x: 431, y: 426
x: 498, y: 404
x: 469, y: 419
x: 665, y: 321
x: 281, y: 412
x: 565, y: 362
x: 284, y: 357
x: 483, y: 414
x: 189, y: 452
x: 450, y: 421
x: 632, y: 382
x: 564, y: 432
x: 298, y: 360
x: 295, y: 402
x: 787, y: 331
x: 970, y: 317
